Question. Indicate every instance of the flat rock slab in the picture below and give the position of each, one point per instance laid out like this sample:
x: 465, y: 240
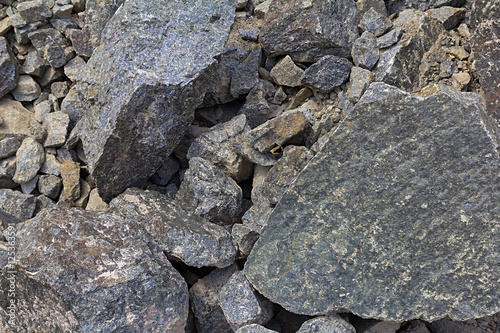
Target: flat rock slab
x: 396, y: 218
x: 143, y: 82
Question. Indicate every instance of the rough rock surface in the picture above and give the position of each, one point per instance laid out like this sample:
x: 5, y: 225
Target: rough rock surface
x: 327, y: 324
x: 388, y: 220
x: 329, y: 72
x: 8, y: 68
x: 157, y: 82
x: 310, y: 29
x: 208, y: 192
x: 93, y: 272
x: 17, y: 204
x: 29, y: 158
x: 286, y: 73
x: 365, y: 52
x: 18, y: 122
x: 182, y: 235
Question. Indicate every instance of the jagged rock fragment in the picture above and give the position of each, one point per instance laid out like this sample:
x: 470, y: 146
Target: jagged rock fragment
x: 17, y: 204
x: 326, y: 74
x: 375, y: 22
x: 286, y: 73
x: 364, y: 51
x: 29, y: 158
x: 27, y: 89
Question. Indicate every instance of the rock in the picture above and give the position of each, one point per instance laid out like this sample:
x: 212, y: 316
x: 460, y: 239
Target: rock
x: 359, y: 81
x: 42, y: 109
x: 96, y: 272
x: 406, y: 209
x: 449, y: 326
x: 5, y: 26
x: 72, y: 105
x: 167, y: 170
x: 365, y: 5
x: 256, y: 109
x: 17, y: 204
x: 74, y: 68
x: 415, y: 326
x: 462, y: 78
x: 29, y: 158
x: 204, y: 296
x: 85, y: 189
x: 27, y: 89
x: 485, y: 43
x: 70, y: 174
x: 375, y: 22
x: 215, y: 146
x: 95, y: 202
x: 262, y: 8
x: 50, y: 186
x: 329, y: 29
x: 329, y: 72
x: 8, y: 147
x: 399, y: 65
x: 34, y: 64
x: 240, y: 304
x: 251, y: 34
x: 286, y: 73
x: 168, y: 81
x: 7, y: 171
x: 300, y: 97
x: 209, y: 193
x: 365, y: 51
x: 29, y: 187
x: 63, y: 12
x: 390, y: 38
x: 59, y: 89
x: 51, y: 166
x: 381, y: 327
x: 453, y: 3
x: 449, y: 16
x: 32, y: 11
x: 56, y: 124
x: 459, y: 52
x: 52, y: 45
x: 43, y: 202
x: 51, y: 74
x: 182, y: 235
x: 245, y: 236
x: 327, y: 324
x: 254, y: 328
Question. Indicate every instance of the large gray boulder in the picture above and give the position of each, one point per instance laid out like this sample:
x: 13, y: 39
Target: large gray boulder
x: 143, y: 82
x: 310, y: 29
x: 389, y: 219
x: 82, y: 271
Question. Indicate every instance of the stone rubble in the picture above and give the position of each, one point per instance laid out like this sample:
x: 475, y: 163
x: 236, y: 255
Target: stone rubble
x: 215, y: 111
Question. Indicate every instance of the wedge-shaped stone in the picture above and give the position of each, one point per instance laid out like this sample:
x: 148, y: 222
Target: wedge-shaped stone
x: 143, y: 82
x: 183, y: 236
x: 389, y: 220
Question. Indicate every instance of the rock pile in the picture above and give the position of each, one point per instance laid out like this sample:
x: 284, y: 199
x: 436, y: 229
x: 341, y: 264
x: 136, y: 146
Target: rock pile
x: 249, y: 166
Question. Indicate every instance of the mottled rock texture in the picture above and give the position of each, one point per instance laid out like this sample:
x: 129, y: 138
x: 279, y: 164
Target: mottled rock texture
x: 308, y: 30
x: 327, y: 324
x: 8, y: 68
x: 329, y: 72
x: 82, y: 271
x: 143, y: 83
x: 18, y: 122
x: 389, y: 219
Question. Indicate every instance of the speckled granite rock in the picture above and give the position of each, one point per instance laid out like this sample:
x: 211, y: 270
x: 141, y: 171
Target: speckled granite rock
x: 8, y: 68
x: 308, y: 30
x: 156, y: 81
x: 375, y: 22
x: 327, y: 324
x: 52, y: 45
x: 29, y: 158
x: 365, y: 51
x: 83, y: 271
x: 208, y: 192
x: 388, y: 219
x: 17, y: 204
x: 182, y: 235
x: 56, y: 124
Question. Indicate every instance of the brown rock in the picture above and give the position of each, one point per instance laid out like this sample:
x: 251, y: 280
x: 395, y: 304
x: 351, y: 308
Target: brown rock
x: 70, y: 173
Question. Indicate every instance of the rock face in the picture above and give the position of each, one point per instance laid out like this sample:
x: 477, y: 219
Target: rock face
x: 388, y: 219
x: 93, y: 272
x: 8, y: 68
x: 310, y: 29
x: 144, y: 82
x: 485, y: 20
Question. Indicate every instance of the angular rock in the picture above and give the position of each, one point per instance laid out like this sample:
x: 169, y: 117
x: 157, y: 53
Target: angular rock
x: 167, y: 170
x: 399, y: 65
x: 5, y: 26
x: 390, y: 38
x: 329, y: 72
x: 449, y: 326
x: 29, y: 187
x: 56, y: 124
x: 310, y: 29
x: 327, y: 324
x: 365, y: 5
x: 50, y: 186
x: 72, y: 105
x: 70, y: 174
x: 52, y: 45
x: 7, y: 171
x: 32, y: 11
x: 17, y: 204
x: 85, y: 189
x: 254, y: 328
x: 286, y: 73
x: 204, y: 296
x: 209, y: 193
x: 485, y: 18
x: 262, y: 8
x: 450, y: 17
x: 375, y: 22
x: 63, y: 12
x: 51, y: 166
x: 95, y: 202
x: 27, y: 89
x: 8, y: 68
x: 240, y: 304
x: 34, y: 64
x: 415, y: 326
x: 59, y: 89
x: 29, y: 158
x: 158, y: 84
x: 365, y: 52
x: 182, y: 235
x: 400, y: 196
x: 8, y: 147
x: 215, y: 146
x: 375, y: 326
x: 41, y: 110
x: 359, y: 81
x: 256, y: 109
x: 81, y: 271
x: 74, y: 68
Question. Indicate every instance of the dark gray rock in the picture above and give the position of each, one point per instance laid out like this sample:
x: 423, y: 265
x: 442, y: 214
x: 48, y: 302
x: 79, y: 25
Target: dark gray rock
x: 74, y: 68
x: 34, y: 64
x: 414, y: 326
x: 50, y: 186
x: 204, y: 296
x: 450, y: 17
x: 8, y: 147
x: 485, y: 18
x: 30, y: 157
x: 182, y: 235
x: 241, y: 305
x: 365, y: 52
x: 7, y: 171
x: 256, y: 109
x: 401, y: 196
x: 29, y: 187
x: 82, y: 271
x: 390, y: 38
x: 215, y: 145
x: 450, y: 326
x: 8, y: 68
x: 254, y: 328
x: 251, y: 34
x: 329, y: 72
x: 208, y: 192
x: 17, y: 204
x: 286, y: 73
x: 375, y: 22
x: 327, y: 324
x: 158, y: 82
x: 27, y: 89
x: 52, y: 45
x: 167, y: 170
x: 308, y: 30
x: 399, y: 65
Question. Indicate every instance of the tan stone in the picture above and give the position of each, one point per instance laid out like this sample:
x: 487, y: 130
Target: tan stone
x: 70, y: 173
